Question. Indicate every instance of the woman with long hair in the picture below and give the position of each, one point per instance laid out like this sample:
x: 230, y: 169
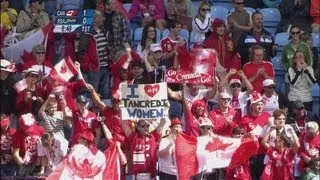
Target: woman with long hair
x: 201, y: 23
x: 149, y: 35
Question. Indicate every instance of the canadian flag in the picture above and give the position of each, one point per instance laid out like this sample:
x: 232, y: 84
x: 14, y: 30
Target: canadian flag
x: 88, y: 163
x: 63, y: 71
x: 195, y: 155
x: 20, y: 85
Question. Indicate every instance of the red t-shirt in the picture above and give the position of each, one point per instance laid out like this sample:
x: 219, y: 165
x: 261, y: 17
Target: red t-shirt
x: 144, y: 152
x: 167, y: 44
x: 309, y: 147
x: 24, y: 107
x: 25, y: 143
x: 192, y: 123
x: 82, y: 123
x: 238, y: 173
x: 280, y: 165
x: 6, y: 144
x: 219, y: 120
x: 250, y: 69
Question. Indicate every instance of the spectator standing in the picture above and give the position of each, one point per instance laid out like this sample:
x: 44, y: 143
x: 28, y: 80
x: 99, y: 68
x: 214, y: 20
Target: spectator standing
x: 25, y: 142
x: 257, y: 35
x: 314, y: 169
x: 315, y: 15
x: 7, y: 163
x: 294, y: 12
x: 270, y: 97
x: 258, y: 69
x: 150, y: 11
x: 93, y: 57
x: 139, y: 75
x: 149, y: 36
x: 31, y: 18
x: 8, y: 15
x: 7, y: 92
x: 166, y: 153
x: 238, y: 21
x: 69, y: 4
x: 301, y: 79
x: 223, y: 44
x: 201, y: 23
x: 182, y: 11
x: 295, y: 45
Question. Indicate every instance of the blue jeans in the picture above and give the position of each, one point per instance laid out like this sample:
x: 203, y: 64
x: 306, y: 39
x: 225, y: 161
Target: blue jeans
x: 100, y: 81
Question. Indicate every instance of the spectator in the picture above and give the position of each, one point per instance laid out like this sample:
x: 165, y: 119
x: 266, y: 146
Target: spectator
x: 31, y: 18
x: 93, y: 56
x: 52, y: 120
x: 7, y: 163
x: 37, y: 61
x: 239, y: 98
x: 138, y: 73
x: 31, y: 98
x: 155, y: 64
x: 171, y: 43
x: 295, y: 45
x: 224, y: 118
x: 272, y: 3
x: 257, y: 35
x: 115, y: 25
x: 69, y: 4
x: 270, y: 97
x: 201, y: 23
x: 83, y: 120
x: 310, y: 145
x: 8, y: 15
x: 145, y: 12
x: 167, y: 162
x: 143, y: 148
x: 258, y: 69
x: 315, y: 15
x: 51, y: 151
x: 7, y: 92
x: 182, y: 11
x: 253, y: 123
x: 294, y: 12
x: 307, y: 38
x: 280, y: 163
x: 223, y: 44
x: 25, y: 142
x: 301, y: 79
x: 238, y: 22
x: 314, y: 170
x: 149, y: 36
x: 300, y: 116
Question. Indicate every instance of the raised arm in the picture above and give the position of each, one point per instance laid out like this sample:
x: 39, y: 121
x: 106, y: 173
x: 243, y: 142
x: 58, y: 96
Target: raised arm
x: 126, y: 129
x: 95, y: 98
x: 224, y: 81
x: 146, y: 62
x: 212, y: 92
x: 245, y: 81
x: 265, y: 140
x: 45, y: 104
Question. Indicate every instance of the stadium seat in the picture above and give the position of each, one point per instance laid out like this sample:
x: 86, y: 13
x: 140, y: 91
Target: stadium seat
x: 223, y: 3
x: 281, y: 39
x: 127, y: 6
x: 196, y: 4
x: 315, y: 91
x: 219, y: 12
x: 271, y: 19
x: 316, y: 40
x: 280, y: 73
x: 184, y: 33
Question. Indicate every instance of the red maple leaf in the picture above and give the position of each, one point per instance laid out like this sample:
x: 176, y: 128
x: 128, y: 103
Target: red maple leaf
x: 217, y: 144
x: 63, y: 69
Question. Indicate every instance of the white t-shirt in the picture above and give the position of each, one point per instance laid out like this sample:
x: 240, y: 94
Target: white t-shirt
x: 167, y: 164
x: 242, y: 105
x: 272, y: 103
x: 60, y: 148
x: 190, y: 99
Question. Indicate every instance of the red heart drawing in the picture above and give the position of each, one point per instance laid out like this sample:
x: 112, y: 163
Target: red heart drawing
x: 152, y: 90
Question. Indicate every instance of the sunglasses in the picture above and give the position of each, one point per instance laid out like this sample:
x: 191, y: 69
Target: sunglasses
x: 40, y: 52
x: 204, y: 9
x: 297, y: 32
x: 151, y: 31
x: 240, y: 3
x: 205, y: 127
x: 235, y: 86
x: 33, y: 75
x: 271, y: 87
x: 145, y: 126
x: 157, y: 52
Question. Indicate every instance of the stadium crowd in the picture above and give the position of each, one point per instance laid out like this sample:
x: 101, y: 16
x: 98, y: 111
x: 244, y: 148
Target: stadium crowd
x: 42, y: 118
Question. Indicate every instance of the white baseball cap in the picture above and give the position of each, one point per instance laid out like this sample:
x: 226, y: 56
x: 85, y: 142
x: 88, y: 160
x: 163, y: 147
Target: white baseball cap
x: 232, y: 81
x: 267, y: 82
x: 155, y: 47
x: 224, y: 95
x: 206, y: 122
x: 7, y: 66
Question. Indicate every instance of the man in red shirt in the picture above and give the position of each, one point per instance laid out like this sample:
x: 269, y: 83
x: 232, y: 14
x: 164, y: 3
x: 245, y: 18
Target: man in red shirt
x: 224, y: 118
x: 171, y: 43
x: 254, y: 123
x: 258, y: 70
x: 83, y: 119
x: 143, y: 148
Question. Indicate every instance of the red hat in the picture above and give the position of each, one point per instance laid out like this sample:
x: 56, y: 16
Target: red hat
x: 217, y: 23
x: 175, y: 121
x: 197, y: 103
x: 255, y: 97
x: 5, y: 122
x: 87, y: 135
x: 28, y: 124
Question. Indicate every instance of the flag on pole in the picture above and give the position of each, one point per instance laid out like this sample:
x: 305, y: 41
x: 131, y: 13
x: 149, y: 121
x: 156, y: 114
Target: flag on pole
x: 194, y: 155
x: 63, y: 71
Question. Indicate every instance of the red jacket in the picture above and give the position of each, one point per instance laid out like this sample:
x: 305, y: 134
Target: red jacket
x: 24, y: 107
x: 315, y: 11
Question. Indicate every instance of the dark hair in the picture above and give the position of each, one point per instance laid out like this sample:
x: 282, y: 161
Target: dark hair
x: 304, y: 37
x: 202, y: 4
x: 145, y: 34
x: 254, y: 48
x: 278, y: 113
x: 172, y: 24
x: 238, y: 130
x: 255, y: 13
x: 285, y: 139
x: 294, y: 64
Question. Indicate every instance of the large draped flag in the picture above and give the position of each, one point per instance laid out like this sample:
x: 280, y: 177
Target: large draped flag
x: 16, y: 51
x: 88, y: 163
x: 63, y: 71
x: 194, y: 155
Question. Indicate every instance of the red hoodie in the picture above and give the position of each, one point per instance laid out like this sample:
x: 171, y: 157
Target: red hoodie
x: 315, y: 11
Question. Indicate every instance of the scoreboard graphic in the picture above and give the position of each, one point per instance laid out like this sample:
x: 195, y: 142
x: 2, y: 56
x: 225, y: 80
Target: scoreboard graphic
x: 73, y: 21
